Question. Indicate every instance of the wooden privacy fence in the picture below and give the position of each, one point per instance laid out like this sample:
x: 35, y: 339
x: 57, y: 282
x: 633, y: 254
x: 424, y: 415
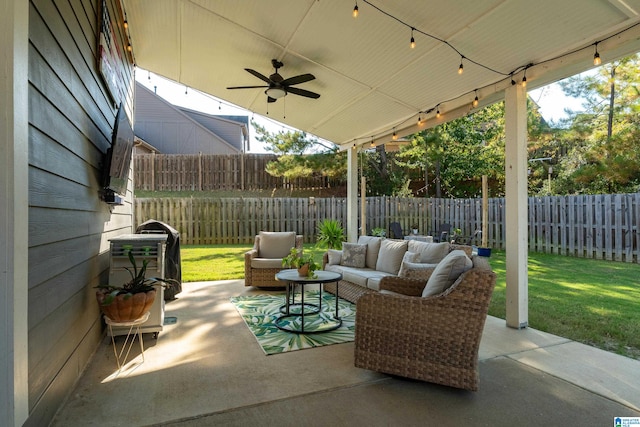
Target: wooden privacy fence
x: 594, y: 226
x: 206, y: 172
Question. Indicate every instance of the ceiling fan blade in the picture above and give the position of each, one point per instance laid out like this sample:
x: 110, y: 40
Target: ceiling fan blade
x: 270, y: 99
x: 302, y: 78
x: 302, y: 92
x: 258, y: 75
x: 245, y: 87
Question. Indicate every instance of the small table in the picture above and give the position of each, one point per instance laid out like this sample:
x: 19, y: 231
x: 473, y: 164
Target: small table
x: 292, y: 309
x: 419, y: 238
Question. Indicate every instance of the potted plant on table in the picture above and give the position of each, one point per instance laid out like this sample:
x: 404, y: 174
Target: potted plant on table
x: 305, y: 264
x: 131, y: 300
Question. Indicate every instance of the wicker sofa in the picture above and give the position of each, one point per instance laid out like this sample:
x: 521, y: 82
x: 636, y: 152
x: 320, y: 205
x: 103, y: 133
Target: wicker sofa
x: 382, y: 258
x: 434, y: 338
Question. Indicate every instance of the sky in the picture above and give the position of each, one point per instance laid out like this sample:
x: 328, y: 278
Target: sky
x: 550, y: 99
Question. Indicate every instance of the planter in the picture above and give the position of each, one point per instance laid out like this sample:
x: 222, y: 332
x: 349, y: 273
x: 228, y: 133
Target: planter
x: 485, y: 252
x: 303, y: 271
x: 125, y: 307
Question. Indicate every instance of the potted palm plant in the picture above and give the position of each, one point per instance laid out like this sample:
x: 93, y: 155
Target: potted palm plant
x: 305, y: 264
x: 131, y: 300
x: 330, y: 234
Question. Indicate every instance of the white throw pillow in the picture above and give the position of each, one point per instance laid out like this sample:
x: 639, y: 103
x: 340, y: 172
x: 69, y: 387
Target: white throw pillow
x: 276, y: 244
x: 335, y: 256
x: 447, y: 272
x: 390, y: 255
x: 373, y: 248
x: 408, y: 258
x: 353, y: 255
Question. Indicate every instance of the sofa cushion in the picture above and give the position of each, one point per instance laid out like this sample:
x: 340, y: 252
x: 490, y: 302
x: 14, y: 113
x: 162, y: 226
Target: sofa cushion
x: 430, y: 253
x: 390, y: 255
x: 353, y: 255
x: 276, y: 244
x: 335, y: 256
x: 374, y: 279
x: 447, y: 272
x: 359, y: 276
x: 373, y: 248
x: 409, y: 257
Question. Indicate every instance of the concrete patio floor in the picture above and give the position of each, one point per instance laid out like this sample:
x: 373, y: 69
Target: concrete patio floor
x: 207, y: 369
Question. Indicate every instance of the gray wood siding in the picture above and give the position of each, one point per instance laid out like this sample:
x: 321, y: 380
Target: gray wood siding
x: 71, y: 116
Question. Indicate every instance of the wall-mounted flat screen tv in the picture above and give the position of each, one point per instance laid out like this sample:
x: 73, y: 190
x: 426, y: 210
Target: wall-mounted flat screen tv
x: 118, y: 158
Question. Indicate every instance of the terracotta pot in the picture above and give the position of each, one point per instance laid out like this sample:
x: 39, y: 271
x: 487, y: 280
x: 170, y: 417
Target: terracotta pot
x: 126, y: 307
x: 303, y: 271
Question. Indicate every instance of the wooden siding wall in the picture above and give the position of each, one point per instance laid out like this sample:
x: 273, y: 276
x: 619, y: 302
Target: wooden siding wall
x: 70, y: 123
x: 206, y: 172
x: 600, y: 227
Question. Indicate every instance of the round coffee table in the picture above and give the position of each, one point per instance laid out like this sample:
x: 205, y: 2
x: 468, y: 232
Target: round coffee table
x: 292, y: 309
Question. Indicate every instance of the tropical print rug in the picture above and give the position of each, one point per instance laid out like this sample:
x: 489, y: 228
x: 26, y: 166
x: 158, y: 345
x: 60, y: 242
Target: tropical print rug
x: 260, y: 312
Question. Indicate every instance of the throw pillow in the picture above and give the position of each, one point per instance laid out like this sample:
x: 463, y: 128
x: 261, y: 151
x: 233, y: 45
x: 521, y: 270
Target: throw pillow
x: 447, y: 272
x: 431, y: 253
x: 390, y: 255
x: 353, y: 255
x: 335, y: 256
x: 276, y: 244
x: 409, y: 257
x: 373, y: 248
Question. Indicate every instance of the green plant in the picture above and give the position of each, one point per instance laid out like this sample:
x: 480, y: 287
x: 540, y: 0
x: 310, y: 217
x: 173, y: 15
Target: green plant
x: 379, y: 232
x: 296, y: 259
x: 330, y: 234
x: 138, y: 283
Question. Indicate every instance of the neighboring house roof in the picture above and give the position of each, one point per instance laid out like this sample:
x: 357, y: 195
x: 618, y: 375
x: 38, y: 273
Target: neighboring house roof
x: 142, y: 146
x: 177, y: 130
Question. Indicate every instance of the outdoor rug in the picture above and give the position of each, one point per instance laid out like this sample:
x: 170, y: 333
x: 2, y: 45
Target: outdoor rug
x: 260, y: 311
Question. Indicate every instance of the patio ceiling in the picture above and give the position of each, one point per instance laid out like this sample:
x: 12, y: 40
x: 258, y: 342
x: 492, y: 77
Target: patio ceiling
x: 371, y: 82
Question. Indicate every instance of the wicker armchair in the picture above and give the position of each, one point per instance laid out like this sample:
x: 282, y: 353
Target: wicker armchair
x: 434, y: 339
x: 265, y: 259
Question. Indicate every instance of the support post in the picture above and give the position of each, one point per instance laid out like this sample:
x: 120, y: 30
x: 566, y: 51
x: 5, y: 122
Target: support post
x: 352, y: 194
x: 516, y: 206
x: 14, y: 206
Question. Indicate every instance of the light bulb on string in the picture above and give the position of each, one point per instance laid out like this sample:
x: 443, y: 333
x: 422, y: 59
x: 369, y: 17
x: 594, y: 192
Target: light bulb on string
x: 461, y: 67
x: 419, y: 120
x: 596, y: 57
x: 475, y: 100
x: 372, y: 144
x: 185, y: 90
x: 524, y: 81
x: 395, y: 135
x: 412, y: 44
x: 438, y: 112
x: 355, y: 10
x: 125, y: 24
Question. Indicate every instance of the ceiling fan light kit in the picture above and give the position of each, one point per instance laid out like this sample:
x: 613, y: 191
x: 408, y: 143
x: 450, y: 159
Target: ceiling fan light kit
x: 279, y: 87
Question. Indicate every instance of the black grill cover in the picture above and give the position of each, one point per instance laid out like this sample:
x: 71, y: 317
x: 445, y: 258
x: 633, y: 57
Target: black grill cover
x: 172, y: 266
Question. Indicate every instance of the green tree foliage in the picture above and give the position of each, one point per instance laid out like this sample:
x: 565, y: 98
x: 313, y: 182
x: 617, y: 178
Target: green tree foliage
x: 301, y: 156
x: 603, y: 154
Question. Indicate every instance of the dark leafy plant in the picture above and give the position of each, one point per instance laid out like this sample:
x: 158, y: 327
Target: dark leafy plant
x: 297, y: 259
x: 138, y: 283
x: 330, y: 234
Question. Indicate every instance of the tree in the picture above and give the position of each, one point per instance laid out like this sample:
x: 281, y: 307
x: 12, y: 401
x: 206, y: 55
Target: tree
x: 604, y: 156
x: 300, y: 156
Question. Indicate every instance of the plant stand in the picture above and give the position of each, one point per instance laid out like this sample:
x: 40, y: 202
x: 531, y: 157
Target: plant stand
x: 134, y: 329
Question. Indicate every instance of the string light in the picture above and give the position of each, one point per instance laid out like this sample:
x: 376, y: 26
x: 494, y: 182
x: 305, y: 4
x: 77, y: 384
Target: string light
x: 395, y: 135
x: 438, y: 112
x: 129, y: 48
x: 513, y: 82
x: 461, y: 67
x: 355, y: 10
x: 524, y: 79
x: 596, y: 57
x: 372, y: 144
x: 125, y: 24
x: 419, y: 120
x: 475, y: 100
x: 185, y: 90
x: 412, y: 44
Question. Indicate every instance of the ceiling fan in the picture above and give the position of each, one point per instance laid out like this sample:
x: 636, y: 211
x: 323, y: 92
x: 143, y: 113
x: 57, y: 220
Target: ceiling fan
x: 279, y: 87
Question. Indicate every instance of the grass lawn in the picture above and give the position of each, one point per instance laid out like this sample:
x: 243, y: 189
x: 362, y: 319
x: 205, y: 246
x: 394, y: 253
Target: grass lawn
x: 590, y: 301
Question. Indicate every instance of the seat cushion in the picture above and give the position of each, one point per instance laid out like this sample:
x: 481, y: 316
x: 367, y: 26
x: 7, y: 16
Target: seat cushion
x: 276, y: 244
x: 354, y: 255
x: 391, y: 254
x: 430, y: 253
x: 373, y: 248
x: 447, y: 272
x: 266, y: 263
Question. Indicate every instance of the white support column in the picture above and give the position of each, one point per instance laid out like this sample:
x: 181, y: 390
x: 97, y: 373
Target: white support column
x: 517, y: 298
x: 352, y: 195
x: 14, y: 225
